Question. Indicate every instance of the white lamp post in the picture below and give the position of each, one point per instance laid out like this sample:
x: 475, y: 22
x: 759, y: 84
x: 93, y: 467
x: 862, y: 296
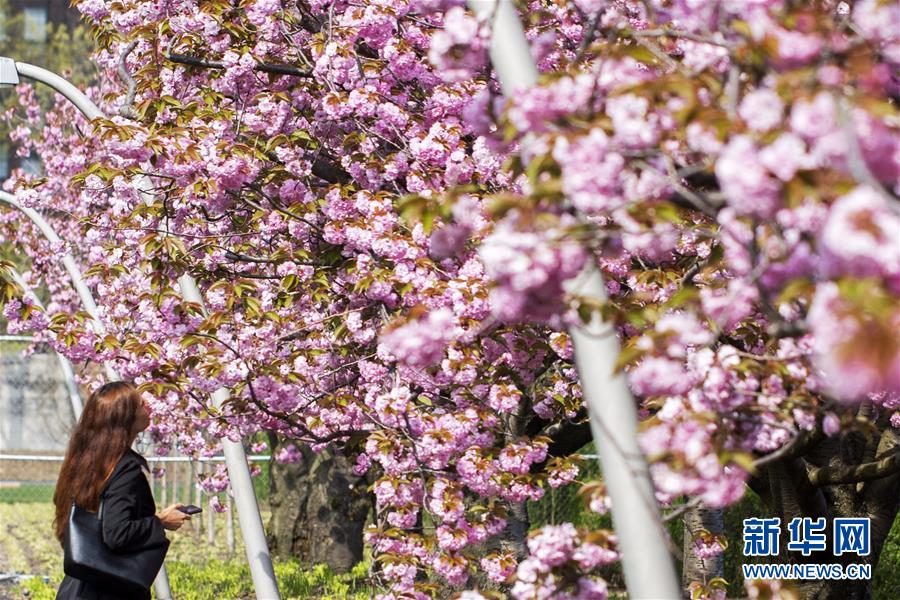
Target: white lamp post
x: 649, y: 571
x: 257, y: 549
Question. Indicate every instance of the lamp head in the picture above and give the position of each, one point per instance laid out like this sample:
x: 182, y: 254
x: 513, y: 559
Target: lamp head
x: 9, y: 75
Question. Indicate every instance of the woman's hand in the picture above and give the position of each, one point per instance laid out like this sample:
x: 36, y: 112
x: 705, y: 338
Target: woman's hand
x: 172, y: 518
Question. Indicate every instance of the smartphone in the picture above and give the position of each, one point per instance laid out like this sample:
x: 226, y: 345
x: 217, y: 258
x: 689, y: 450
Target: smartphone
x: 190, y: 509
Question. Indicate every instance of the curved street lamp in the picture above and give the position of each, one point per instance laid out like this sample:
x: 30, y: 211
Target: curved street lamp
x: 255, y: 545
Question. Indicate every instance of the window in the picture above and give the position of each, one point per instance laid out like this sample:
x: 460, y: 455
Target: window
x: 35, y: 23
x: 4, y: 161
x: 32, y: 165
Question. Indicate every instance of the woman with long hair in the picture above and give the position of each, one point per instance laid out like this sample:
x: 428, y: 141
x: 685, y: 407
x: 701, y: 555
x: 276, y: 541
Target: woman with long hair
x: 100, y: 465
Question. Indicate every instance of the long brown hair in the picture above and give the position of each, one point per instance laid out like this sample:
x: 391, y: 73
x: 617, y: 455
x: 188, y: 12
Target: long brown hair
x: 102, y: 435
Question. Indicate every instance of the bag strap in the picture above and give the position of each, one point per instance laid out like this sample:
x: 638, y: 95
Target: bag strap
x: 99, y: 510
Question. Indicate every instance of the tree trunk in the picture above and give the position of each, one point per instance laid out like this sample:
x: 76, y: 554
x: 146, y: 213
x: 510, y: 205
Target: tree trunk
x: 319, y: 509
x: 788, y: 492
x: 696, y: 568
x: 829, y: 589
x: 516, y: 533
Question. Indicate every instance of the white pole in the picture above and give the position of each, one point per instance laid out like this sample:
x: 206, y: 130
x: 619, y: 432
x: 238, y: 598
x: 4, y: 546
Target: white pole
x: 254, y: 536
x: 175, y: 491
x: 229, y: 523
x: 164, y: 488
x: 195, y: 474
x: 647, y: 565
x: 71, y: 386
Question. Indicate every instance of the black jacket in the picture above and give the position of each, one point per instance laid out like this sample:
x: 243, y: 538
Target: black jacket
x: 129, y: 524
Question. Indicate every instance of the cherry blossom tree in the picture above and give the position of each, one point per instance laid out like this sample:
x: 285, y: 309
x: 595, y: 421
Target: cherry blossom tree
x: 384, y: 239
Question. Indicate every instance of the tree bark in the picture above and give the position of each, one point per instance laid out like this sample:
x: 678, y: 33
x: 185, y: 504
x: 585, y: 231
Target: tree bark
x: 515, y: 535
x: 696, y: 568
x: 319, y: 509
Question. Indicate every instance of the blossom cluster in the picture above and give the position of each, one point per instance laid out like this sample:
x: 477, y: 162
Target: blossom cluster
x: 545, y: 573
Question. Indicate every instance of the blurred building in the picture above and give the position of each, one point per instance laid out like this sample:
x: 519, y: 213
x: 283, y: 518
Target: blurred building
x: 26, y: 30
x: 35, y: 409
x: 37, y: 14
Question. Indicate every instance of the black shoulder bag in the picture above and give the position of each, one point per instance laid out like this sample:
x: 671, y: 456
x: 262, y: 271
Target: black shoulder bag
x: 88, y: 558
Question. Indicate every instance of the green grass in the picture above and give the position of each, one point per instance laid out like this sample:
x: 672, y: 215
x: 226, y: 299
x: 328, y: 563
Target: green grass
x: 886, y: 578
x: 231, y: 581
x: 197, y: 570
x: 27, y: 544
x: 37, y: 589
x: 27, y: 492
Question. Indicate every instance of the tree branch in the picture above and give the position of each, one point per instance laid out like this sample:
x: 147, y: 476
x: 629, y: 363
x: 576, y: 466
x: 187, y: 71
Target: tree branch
x: 674, y: 33
x: 311, y: 437
x: 126, y: 109
x: 883, y: 467
x: 677, y: 512
x: 186, y: 59
x: 331, y: 172
x: 568, y: 438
